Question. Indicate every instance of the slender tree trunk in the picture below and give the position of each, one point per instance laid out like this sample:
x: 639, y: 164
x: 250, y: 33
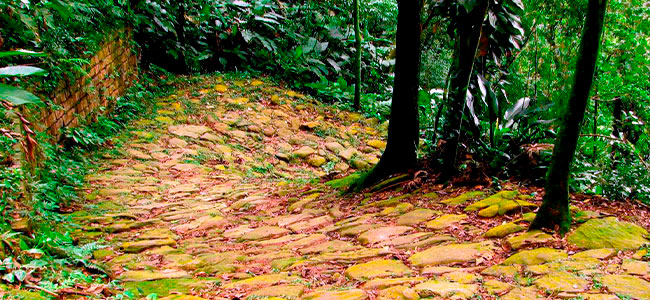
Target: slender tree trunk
x: 403, y: 130
x: 554, y: 212
x: 467, y: 40
x: 180, y: 32
x: 617, y: 128
x: 357, y: 58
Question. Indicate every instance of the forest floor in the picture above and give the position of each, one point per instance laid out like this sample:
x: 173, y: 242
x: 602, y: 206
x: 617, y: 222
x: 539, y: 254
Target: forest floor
x: 223, y: 195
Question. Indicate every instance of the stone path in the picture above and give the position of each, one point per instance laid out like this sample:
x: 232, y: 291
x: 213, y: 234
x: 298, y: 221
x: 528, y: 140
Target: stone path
x: 222, y: 196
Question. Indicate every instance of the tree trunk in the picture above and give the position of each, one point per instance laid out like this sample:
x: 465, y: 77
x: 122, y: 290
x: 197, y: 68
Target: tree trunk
x: 403, y: 130
x: 357, y: 58
x: 180, y: 32
x: 554, y: 213
x: 467, y: 39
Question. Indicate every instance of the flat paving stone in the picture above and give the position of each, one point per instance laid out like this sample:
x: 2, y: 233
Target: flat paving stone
x: 264, y: 232
x: 452, y: 253
x: 377, y: 235
x: 377, y: 268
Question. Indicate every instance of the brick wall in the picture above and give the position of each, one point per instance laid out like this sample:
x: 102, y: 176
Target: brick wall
x: 110, y: 72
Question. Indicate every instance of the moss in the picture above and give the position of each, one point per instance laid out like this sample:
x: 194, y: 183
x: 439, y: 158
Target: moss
x: 352, y: 294
x: 389, y: 182
x: 166, y: 287
x: 452, y: 253
x: 608, y: 233
x: 627, y: 285
x: 262, y: 281
x: 561, y: 281
x: 101, y: 254
x: 377, y: 268
x: 446, y: 289
x: 345, y: 182
x: 535, y: 257
x: 503, y: 230
x: 445, y: 221
x: 463, y: 198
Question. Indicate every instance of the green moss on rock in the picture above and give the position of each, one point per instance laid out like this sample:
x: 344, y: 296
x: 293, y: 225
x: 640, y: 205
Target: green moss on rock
x: 608, y: 233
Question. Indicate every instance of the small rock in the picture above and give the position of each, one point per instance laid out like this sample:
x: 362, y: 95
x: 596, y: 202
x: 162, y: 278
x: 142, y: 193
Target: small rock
x: 316, y: 160
x: 304, y: 152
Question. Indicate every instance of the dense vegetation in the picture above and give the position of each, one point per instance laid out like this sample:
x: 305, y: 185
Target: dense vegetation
x: 500, y: 113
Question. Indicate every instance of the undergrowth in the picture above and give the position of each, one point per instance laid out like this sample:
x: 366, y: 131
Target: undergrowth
x: 37, y: 248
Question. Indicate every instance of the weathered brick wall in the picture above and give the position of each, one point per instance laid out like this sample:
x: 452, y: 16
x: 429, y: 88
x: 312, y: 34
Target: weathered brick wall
x: 110, y: 72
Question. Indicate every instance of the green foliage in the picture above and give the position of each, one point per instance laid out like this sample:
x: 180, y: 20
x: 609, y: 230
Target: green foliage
x: 63, y: 31
x: 47, y: 250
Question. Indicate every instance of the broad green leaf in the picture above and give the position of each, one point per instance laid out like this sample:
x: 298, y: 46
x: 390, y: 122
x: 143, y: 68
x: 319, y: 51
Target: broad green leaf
x: 20, y: 275
x: 468, y: 4
x: 20, y: 52
x: 309, y: 46
x: 13, y: 71
x: 17, y: 96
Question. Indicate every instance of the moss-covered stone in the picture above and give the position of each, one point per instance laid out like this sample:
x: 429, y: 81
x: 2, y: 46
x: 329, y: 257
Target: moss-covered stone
x: 452, y: 253
x: 166, y: 287
x: 522, y: 293
x: 139, y: 246
x: 627, y: 285
x: 535, y: 257
x: 528, y: 238
x: 636, y: 267
x: 416, y: 217
x: 496, y: 287
x: 602, y: 253
x: 351, y: 294
x: 446, y: 289
x: 283, y: 263
x: 462, y: 277
x: 382, y: 283
x: 500, y: 203
x: 264, y: 232
x: 501, y: 271
x: 561, y: 281
x: 503, y: 230
x: 101, y: 254
x: 377, y: 268
x: 608, y: 233
x: 139, y: 276
x: 463, y: 198
x: 445, y: 221
x: 398, y: 293
x: 283, y: 291
x: 345, y: 182
x: 377, y: 235
x: 262, y: 281
x: 396, y: 210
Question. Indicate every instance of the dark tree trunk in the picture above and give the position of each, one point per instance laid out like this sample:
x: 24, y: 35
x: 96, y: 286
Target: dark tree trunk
x: 357, y: 58
x: 403, y: 130
x: 467, y: 39
x: 554, y: 212
x: 180, y: 32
